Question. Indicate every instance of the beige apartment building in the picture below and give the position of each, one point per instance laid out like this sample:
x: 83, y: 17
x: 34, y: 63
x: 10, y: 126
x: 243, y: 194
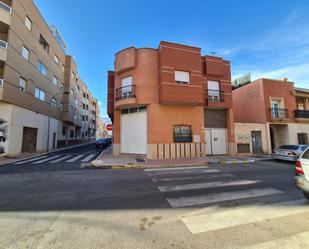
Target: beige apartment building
x: 43, y: 102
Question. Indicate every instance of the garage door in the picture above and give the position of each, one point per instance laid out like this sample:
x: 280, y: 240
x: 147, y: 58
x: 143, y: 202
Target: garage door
x: 216, y: 141
x: 134, y: 132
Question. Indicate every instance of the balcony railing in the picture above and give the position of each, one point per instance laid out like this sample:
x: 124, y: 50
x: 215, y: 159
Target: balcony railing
x: 301, y: 114
x: 3, y: 44
x: 5, y: 7
x: 214, y: 96
x: 278, y: 113
x: 125, y: 92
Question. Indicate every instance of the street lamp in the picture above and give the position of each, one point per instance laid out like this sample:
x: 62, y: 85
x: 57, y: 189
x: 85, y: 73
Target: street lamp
x: 48, y: 129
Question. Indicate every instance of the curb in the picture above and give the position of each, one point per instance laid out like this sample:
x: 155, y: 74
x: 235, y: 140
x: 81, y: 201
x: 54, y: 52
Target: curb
x: 45, y: 153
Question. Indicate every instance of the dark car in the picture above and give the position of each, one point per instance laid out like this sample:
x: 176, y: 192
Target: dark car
x: 102, y: 143
x: 109, y: 140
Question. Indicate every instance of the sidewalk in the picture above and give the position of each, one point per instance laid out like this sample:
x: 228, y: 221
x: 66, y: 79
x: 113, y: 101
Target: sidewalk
x: 25, y: 156
x: 107, y: 160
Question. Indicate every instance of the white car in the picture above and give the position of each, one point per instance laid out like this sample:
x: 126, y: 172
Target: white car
x: 302, y: 173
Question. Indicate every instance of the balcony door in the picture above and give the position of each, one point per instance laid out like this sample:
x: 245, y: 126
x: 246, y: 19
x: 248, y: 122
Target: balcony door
x: 275, y: 106
x: 213, y: 90
x: 126, y: 87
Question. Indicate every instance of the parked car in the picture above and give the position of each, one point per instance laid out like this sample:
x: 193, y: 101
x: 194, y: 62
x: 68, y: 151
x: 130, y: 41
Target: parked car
x: 109, y: 140
x: 101, y: 143
x: 289, y: 152
x: 302, y: 173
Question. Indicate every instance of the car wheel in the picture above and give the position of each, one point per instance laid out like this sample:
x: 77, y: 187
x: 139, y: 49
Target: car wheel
x: 306, y: 194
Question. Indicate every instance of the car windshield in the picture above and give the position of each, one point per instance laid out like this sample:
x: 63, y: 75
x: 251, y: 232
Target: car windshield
x: 289, y: 147
x: 101, y: 141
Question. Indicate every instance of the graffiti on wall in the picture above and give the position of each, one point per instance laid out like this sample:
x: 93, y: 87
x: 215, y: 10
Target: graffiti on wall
x: 3, y: 135
x: 244, y: 138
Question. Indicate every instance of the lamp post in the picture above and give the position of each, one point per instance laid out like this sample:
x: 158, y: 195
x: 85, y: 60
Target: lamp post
x: 48, y: 125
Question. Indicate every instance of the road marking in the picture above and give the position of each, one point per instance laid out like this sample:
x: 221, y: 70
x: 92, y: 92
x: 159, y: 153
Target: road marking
x: 47, y: 159
x: 86, y: 159
x: 31, y: 160
x: 74, y: 159
x: 188, y: 178
x: 244, y: 215
x: 205, y: 171
x: 226, y: 196
x: 205, y: 185
x: 60, y: 159
x: 176, y: 168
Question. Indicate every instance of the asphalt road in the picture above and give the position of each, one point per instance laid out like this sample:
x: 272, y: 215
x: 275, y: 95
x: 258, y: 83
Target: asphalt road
x: 236, y: 206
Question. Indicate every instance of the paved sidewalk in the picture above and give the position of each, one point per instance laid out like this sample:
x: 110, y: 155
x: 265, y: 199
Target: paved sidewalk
x: 8, y: 160
x: 107, y: 160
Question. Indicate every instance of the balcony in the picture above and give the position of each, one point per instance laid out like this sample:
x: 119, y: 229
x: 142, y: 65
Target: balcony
x: 125, y: 96
x: 3, y: 50
x: 278, y: 113
x: 5, y: 13
x: 300, y: 114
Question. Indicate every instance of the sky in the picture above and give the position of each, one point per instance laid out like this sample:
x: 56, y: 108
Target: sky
x: 269, y: 38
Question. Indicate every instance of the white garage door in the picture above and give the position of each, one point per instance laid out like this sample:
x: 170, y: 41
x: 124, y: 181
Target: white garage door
x: 134, y: 133
x: 216, y: 141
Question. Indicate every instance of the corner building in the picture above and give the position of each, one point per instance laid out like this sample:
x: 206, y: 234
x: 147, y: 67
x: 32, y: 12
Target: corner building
x: 170, y: 102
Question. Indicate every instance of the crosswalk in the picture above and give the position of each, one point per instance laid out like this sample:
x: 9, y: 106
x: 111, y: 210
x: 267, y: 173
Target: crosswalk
x: 221, y: 200
x: 62, y: 158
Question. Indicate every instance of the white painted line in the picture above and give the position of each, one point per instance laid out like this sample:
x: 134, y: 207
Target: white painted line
x: 244, y: 215
x: 74, y: 159
x: 176, y: 168
x: 188, y: 178
x: 86, y: 159
x: 60, y: 159
x: 31, y: 160
x: 205, y: 185
x: 226, y: 196
x: 47, y: 159
x: 205, y: 171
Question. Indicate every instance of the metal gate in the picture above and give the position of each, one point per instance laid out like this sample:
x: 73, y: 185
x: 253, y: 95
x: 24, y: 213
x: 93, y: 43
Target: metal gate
x: 216, y: 141
x: 256, y: 142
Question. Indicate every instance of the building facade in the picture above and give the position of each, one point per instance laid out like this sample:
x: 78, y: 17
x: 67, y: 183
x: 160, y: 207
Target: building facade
x: 170, y: 102
x: 43, y: 102
x: 270, y: 113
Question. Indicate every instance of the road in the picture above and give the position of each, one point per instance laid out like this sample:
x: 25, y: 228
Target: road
x: 236, y: 206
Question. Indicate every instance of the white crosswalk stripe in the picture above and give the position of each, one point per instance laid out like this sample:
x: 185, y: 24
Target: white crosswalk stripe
x: 30, y: 160
x: 88, y: 158
x: 74, y: 159
x: 188, y: 178
x: 219, y: 197
x: 205, y: 185
x: 60, y: 159
x: 46, y: 159
x: 243, y: 215
x: 176, y: 168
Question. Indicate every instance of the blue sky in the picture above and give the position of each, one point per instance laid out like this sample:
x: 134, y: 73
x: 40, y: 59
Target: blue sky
x: 267, y: 38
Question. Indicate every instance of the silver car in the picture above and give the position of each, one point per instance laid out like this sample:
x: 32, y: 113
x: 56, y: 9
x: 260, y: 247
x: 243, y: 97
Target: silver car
x: 289, y: 152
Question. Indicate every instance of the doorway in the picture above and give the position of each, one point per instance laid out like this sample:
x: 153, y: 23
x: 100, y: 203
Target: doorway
x: 29, y: 139
x: 256, y: 142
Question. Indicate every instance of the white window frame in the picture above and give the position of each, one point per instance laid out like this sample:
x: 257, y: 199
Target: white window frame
x: 213, y: 87
x: 56, y: 59
x: 28, y: 23
x: 42, y: 68
x: 182, y: 77
x: 53, y: 102
x: 62, y: 67
x: 22, y: 84
x: 39, y: 94
x: 25, y: 53
x: 55, y: 80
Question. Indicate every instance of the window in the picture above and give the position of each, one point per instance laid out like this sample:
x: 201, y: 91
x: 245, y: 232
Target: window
x: 44, y: 43
x: 64, y: 132
x: 71, y: 134
x: 300, y: 106
x: 39, y: 94
x: 302, y: 138
x: 53, y: 102
x: 182, y: 133
x: 72, y: 75
x: 72, y: 91
x: 28, y: 23
x: 55, y: 80
x: 182, y: 77
x: 86, y: 118
x: 22, y: 84
x: 25, y: 53
x: 61, y: 106
x: 213, y: 91
x: 56, y: 59
x: 42, y: 68
x: 61, y: 87
x: 62, y: 67
x: 86, y: 133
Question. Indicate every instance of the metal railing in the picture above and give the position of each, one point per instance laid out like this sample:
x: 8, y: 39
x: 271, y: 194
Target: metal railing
x: 125, y: 92
x: 278, y: 113
x: 5, y: 7
x: 1, y: 82
x: 301, y: 114
x: 214, y: 96
x: 3, y: 44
